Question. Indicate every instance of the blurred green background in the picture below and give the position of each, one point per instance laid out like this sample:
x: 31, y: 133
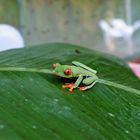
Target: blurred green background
x: 9, y: 12
x: 70, y: 21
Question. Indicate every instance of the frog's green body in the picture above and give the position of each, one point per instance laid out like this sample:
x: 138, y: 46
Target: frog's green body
x: 84, y: 75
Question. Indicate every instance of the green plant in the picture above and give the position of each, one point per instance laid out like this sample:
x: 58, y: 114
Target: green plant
x: 34, y: 106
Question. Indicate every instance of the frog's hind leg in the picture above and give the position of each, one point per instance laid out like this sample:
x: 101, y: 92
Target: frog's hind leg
x: 87, y: 87
x: 89, y: 82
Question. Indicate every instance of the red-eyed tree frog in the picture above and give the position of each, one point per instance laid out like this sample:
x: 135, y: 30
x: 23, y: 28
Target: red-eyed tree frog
x: 83, y: 73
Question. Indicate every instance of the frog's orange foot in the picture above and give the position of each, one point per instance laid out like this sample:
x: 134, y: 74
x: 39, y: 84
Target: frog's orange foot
x: 68, y: 85
x: 82, y: 88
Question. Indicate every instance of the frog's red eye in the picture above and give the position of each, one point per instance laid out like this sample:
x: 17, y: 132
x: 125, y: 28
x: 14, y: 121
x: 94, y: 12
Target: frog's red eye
x: 67, y: 71
x: 54, y: 66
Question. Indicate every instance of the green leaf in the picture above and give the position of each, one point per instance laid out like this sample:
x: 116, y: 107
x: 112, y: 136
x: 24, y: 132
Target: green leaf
x: 34, y: 106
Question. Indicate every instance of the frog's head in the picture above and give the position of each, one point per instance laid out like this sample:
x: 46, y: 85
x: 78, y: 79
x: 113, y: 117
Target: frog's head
x: 62, y: 70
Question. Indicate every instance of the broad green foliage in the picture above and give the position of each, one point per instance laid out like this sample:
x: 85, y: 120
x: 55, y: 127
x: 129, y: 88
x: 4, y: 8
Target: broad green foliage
x: 34, y: 106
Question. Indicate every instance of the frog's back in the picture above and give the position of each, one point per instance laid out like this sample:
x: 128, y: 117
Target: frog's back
x: 81, y: 71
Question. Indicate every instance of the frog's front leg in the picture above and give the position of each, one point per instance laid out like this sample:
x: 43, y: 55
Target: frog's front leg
x: 89, y: 82
x: 71, y: 86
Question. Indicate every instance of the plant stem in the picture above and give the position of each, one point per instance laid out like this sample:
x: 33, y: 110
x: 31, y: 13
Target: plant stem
x: 119, y: 86
x: 26, y: 70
